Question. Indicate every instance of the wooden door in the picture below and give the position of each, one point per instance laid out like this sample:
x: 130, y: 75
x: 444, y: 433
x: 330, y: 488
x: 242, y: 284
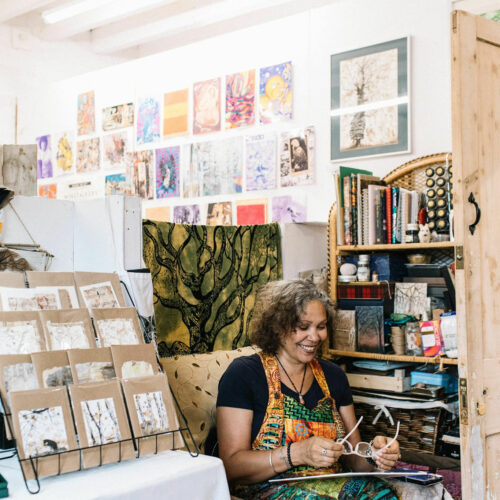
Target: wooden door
x: 476, y: 165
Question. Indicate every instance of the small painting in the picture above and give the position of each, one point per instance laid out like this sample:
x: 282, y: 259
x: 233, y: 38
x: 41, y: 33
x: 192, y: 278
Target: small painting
x: 141, y: 174
x: 249, y: 212
x: 151, y: 412
x: 86, y: 113
x: 20, y: 337
x: 276, y: 93
x: 206, y: 106
x: 297, y: 157
x: 167, y: 172
x: 132, y: 368
x: 116, y: 117
x: 19, y: 377
x: 240, y: 99
x: 44, y: 157
x: 114, y: 148
x: 148, y: 120
x: 65, y: 158
x: 187, y: 214
x: 95, y: 371
x: 48, y: 191
x: 220, y: 214
x: 115, y: 184
x: 101, y: 422
x: 19, y: 168
x: 260, y: 165
x: 57, y: 376
x: 67, y: 335
x: 88, y: 155
x: 175, y: 113
x: 289, y: 208
x: 99, y: 295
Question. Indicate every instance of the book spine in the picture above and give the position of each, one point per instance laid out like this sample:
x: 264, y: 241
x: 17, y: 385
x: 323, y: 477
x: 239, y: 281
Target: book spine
x: 354, y: 209
x: 364, y: 240
x: 378, y: 219
x: 395, y: 192
x: 347, y: 210
x: 388, y: 213
x: 383, y: 215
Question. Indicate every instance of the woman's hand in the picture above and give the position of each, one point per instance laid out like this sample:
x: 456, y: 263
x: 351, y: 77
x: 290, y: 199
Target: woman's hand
x: 387, y: 457
x: 316, y: 451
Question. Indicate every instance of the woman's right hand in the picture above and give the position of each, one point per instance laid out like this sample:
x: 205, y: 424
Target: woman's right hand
x: 316, y: 451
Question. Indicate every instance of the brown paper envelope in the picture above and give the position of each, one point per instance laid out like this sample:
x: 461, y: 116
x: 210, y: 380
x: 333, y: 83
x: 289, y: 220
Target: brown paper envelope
x: 52, y: 368
x: 9, y: 317
x: 12, y: 279
x: 139, y: 360
x: 103, y: 319
x: 49, y: 279
x: 91, y: 365
x: 85, y: 278
x: 42, y: 424
x: 101, y: 420
x: 151, y: 411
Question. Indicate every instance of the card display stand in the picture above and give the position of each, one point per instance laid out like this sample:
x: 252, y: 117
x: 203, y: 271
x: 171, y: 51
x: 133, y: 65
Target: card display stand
x: 33, y: 462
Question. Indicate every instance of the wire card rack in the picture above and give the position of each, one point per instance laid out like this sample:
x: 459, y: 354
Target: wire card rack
x: 33, y: 463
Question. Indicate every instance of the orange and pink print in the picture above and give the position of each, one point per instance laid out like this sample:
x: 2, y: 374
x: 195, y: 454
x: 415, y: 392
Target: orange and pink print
x: 206, y: 106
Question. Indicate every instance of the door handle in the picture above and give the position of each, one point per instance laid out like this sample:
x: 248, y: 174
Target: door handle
x: 472, y: 227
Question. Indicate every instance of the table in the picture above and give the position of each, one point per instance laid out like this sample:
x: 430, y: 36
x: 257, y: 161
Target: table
x: 170, y: 474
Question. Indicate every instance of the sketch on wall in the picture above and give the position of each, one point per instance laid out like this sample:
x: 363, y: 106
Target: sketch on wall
x: 369, y: 92
x: 101, y: 422
x: 116, y: 117
x: 167, y: 172
x: 276, y: 93
x: 206, y: 106
x: 187, y: 214
x: 44, y: 157
x: 260, y: 164
x: 240, y: 99
x: 117, y: 331
x: 151, y: 412
x: 114, y: 148
x: 65, y: 159
x: 19, y: 169
x: 175, y: 113
x: 148, y: 120
x: 88, y: 155
x: 86, y: 113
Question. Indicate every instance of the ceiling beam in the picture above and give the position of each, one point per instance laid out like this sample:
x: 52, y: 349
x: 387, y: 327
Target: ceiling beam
x: 10, y: 9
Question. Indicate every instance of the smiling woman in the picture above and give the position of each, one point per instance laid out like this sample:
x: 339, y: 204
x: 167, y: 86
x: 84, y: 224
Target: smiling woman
x: 283, y: 412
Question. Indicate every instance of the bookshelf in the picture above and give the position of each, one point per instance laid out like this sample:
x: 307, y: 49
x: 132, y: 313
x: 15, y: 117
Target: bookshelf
x: 401, y: 247
x: 391, y: 357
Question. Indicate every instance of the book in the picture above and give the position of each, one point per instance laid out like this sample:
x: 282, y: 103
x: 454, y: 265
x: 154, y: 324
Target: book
x: 372, y: 196
x: 347, y: 211
x: 363, y: 181
x: 394, y: 207
x: 364, y: 221
x: 354, y: 210
x: 383, y: 215
x: 388, y: 212
x: 347, y: 171
x: 378, y: 217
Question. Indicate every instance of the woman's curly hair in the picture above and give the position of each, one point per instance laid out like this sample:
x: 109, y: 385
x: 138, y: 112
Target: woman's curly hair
x: 278, y: 308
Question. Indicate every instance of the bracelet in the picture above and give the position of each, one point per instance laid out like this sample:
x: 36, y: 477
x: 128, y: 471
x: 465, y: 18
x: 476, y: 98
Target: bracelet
x: 271, y: 461
x: 288, y: 446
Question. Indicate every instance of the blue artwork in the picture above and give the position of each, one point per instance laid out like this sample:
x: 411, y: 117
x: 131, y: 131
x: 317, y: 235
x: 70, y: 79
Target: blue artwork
x: 148, y: 121
x: 260, y: 163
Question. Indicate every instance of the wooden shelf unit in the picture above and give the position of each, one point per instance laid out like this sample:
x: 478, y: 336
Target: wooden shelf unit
x: 391, y: 357
x: 394, y: 248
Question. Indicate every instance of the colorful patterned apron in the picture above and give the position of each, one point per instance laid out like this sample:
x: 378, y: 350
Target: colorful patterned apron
x: 286, y: 420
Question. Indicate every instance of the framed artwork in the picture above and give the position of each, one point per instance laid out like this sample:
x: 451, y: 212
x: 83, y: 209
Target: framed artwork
x: 370, y: 101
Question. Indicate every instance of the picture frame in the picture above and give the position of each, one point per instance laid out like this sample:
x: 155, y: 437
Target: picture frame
x: 370, y: 101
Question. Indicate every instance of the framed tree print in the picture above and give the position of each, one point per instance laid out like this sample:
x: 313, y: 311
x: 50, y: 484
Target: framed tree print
x: 370, y: 101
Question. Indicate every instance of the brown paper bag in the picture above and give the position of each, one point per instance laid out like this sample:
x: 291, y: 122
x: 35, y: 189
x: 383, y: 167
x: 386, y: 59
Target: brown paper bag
x: 67, y: 329
x: 99, y: 290
x: 64, y: 283
x: 21, y: 332
x: 151, y: 410
x: 101, y: 420
x: 118, y: 326
x: 91, y: 365
x: 134, y: 360
x: 52, y: 368
x: 42, y: 426
x: 12, y: 279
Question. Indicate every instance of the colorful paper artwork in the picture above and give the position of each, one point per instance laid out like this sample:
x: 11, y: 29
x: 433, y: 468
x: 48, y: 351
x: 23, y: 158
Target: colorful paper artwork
x: 187, y: 214
x: 260, y: 165
x: 148, y: 120
x: 19, y: 168
x: 65, y: 159
x: 276, y: 93
x: 175, y: 113
x: 116, y: 117
x: 151, y: 412
x: 86, y: 113
x: 88, y: 155
x: 249, y: 212
x: 167, y: 172
x: 297, y: 152
x: 220, y: 164
x: 101, y: 422
x: 289, y: 208
x: 161, y: 214
x: 220, y: 214
x: 115, y: 184
x: 240, y: 99
x: 141, y: 174
x: 206, y: 106
x: 44, y: 157
x: 114, y: 148
x: 48, y: 191
x: 99, y: 295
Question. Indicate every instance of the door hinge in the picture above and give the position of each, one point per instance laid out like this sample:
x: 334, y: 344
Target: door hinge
x: 464, y: 415
x: 459, y: 257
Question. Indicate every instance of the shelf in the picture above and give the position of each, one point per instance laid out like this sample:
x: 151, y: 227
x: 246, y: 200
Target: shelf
x: 397, y: 247
x: 392, y: 357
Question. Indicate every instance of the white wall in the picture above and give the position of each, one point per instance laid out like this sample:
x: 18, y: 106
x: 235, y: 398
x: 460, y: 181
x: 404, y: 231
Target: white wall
x: 308, y: 39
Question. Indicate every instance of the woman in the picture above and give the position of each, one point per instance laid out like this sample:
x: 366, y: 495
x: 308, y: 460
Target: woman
x: 284, y: 411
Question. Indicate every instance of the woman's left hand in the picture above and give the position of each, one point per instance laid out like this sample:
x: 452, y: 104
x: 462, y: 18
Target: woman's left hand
x: 387, y: 457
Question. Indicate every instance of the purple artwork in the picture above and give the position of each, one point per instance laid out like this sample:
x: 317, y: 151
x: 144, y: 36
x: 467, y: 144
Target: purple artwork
x: 289, y: 209
x: 167, y: 172
x: 148, y: 121
x: 44, y: 157
x: 260, y: 166
x: 187, y: 214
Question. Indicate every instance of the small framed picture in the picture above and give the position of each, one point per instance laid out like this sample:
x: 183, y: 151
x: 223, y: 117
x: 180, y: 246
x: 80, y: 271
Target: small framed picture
x: 370, y: 101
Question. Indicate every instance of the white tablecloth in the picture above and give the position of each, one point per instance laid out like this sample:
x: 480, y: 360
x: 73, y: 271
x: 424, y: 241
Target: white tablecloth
x: 171, y: 474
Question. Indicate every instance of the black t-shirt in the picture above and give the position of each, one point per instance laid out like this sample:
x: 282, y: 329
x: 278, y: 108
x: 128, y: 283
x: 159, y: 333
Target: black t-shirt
x: 244, y: 385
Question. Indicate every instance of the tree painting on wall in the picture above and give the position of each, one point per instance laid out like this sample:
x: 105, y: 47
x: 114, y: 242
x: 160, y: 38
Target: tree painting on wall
x: 369, y: 107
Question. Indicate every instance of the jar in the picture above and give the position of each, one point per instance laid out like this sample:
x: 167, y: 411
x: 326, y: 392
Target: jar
x: 364, y: 268
x: 413, y: 339
x: 412, y: 233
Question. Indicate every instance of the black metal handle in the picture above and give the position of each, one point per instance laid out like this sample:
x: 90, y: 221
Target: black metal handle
x: 472, y: 227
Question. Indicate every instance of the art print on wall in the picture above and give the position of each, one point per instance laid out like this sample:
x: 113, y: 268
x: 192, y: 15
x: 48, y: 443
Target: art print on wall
x: 115, y: 184
x: 65, y: 159
x: 48, y: 191
x: 86, y: 113
x: 88, y: 155
x: 191, y: 174
x: 297, y: 157
x: 99, y: 295
x: 260, y: 162
x: 114, y: 148
x: 249, y: 212
x: 206, y: 106
x: 101, y: 422
x: 161, y: 214
x: 67, y: 335
x: 117, y: 331
x: 19, y: 377
x: 167, y: 172
x: 116, y: 117
x: 19, y: 337
x: 43, y: 431
x: 289, y: 208
x: 220, y: 214
x: 151, y: 412
x: 175, y: 113
x: 276, y: 93
x: 148, y: 120
x: 141, y: 174
x: 19, y: 168
x: 44, y: 157
x: 95, y: 371
x: 187, y: 214
x: 240, y: 99
x: 370, y: 101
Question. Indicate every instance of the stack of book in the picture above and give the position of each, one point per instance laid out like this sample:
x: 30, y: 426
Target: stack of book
x: 370, y: 212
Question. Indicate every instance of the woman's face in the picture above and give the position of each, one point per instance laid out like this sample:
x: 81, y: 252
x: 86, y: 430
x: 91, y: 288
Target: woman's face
x: 302, y: 344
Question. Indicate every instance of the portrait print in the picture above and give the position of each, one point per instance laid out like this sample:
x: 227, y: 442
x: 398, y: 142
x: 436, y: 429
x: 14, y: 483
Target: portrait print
x: 44, y: 157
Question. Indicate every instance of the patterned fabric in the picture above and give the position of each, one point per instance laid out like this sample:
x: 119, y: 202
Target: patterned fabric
x: 205, y: 279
